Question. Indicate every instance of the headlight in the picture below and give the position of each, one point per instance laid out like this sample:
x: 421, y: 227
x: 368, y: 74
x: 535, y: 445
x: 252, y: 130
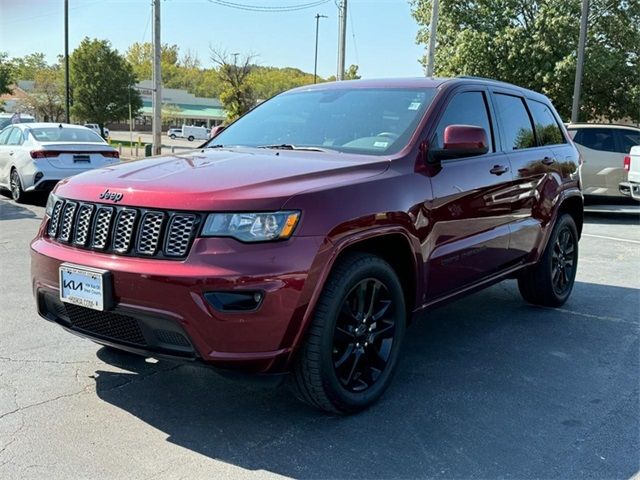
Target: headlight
x: 251, y: 227
x: 51, y: 201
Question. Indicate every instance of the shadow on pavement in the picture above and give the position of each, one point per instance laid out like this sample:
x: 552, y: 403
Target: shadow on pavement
x: 488, y: 387
x: 611, y: 218
x: 10, y: 210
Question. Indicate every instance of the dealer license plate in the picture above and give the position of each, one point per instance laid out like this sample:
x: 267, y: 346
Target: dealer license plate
x: 83, y: 286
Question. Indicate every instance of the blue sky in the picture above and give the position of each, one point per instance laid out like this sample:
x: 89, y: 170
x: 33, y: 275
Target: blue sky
x: 384, y: 31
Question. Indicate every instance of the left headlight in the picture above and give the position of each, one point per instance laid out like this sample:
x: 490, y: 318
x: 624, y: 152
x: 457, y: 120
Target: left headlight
x: 51, y: 201
x: 251, y: 227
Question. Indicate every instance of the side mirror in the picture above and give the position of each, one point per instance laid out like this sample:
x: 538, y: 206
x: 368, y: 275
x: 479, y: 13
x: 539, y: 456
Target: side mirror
x: 215, y: 131
x: 462, y: 141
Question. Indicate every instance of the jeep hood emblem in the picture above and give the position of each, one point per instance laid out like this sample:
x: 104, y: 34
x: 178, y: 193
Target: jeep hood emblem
x: 107, y: 195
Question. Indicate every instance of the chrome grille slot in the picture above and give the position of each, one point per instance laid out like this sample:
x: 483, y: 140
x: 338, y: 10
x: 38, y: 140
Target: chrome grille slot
x: 125, y: 223
x: 149, y: 234
x: 179, y: 234
x: 101, y: 227
x: 83, y: 223
x: 66, y: 224
x: 55, y: 218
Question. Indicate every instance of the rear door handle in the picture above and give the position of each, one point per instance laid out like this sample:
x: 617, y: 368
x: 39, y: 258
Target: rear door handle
x: 548, y: 160
x: 10, y: 153
x: 499, y: 170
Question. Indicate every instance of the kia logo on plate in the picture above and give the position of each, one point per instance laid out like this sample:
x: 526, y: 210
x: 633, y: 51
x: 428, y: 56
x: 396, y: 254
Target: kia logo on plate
x: 107, y: 195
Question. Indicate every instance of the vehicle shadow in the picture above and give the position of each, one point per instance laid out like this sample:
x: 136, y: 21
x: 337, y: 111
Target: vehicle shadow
x: 488, y: 387
x: 10, y: 210
x: 611, y: 218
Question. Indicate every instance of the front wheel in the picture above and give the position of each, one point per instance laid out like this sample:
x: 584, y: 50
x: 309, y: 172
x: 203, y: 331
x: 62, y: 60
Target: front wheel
x: 550, y: 281
x: 353, y: 344
x: 17, y: 193
x: 190, y: 138
x: 172, y: 136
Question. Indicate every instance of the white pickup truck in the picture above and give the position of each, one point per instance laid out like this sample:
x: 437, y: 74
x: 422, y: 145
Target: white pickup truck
x: 96, y: 128
x: 631, y: 187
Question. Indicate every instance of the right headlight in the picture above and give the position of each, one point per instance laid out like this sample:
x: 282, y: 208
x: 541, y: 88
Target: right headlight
x: 251, y: 227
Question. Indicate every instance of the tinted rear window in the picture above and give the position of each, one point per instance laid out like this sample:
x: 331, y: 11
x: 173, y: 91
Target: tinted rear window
x: 547, y: 130
x: 515, y: 123
x: 65, y: 134
x: 628, y: 139
x: 602, y: 139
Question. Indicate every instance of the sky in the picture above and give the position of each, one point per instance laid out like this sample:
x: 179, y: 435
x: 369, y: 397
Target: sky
x: 380, y: 33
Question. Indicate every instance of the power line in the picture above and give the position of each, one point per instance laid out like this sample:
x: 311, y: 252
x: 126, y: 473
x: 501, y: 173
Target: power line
x: 353, y: 35
x: 269, y: 9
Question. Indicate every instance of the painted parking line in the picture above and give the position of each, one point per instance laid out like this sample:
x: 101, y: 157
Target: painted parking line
x: 627, y: 240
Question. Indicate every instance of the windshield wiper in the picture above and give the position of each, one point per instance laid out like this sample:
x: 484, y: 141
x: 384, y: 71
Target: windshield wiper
x: 289, y: 146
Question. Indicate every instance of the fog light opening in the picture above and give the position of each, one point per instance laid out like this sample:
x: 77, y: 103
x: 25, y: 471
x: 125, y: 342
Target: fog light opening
x: 235, y: 301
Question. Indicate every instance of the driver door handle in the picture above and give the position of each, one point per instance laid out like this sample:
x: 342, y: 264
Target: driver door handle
x: 10, y: 153
x: 499, y: 169
x: 548, y: 160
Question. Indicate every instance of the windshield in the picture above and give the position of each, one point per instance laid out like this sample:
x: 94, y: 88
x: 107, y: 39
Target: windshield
x: 372, y: 121
x: 65, y: 134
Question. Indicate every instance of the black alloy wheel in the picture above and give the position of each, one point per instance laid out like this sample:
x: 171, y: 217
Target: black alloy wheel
x: 364, y: 335
x: 563, y: 261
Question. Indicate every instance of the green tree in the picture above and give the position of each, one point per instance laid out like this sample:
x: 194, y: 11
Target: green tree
x: 533, y: 43
x: 350, y: 73
x: 269, y: 81
x: 5, y: 77
x: 237, y: 95
x: 46, y: 100
x: 102, y: 83
x: 26, y: 68
x: 140, y: 56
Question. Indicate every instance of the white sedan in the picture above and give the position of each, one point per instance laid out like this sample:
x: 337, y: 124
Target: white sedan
x: 35, y: 156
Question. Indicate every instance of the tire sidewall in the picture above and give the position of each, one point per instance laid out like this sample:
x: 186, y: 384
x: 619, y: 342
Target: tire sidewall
x: 15, y: 173
x: 565, y: 221
x: 357, y: 401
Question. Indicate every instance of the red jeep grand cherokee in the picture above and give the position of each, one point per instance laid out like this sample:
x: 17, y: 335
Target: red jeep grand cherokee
x: 301, y: 239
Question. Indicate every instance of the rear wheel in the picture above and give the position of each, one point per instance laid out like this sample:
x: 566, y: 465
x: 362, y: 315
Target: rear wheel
x: 353, y: 344
x: 172, y: 136
x: 17, y: 193
x: 550, y: 281
x: 190, y: 138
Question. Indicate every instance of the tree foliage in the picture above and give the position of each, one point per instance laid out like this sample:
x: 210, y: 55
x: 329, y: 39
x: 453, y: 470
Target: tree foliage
x: 5, y: 76
x: 350, y: 73
x: 102, y: 83
x: 27, y: 67
x: 46, y: 101
x: 533, y: 43
x: 237, y: 95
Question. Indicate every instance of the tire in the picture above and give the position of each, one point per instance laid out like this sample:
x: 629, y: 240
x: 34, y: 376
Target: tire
x: 352, y: 347
x: 190, y: 138
x: 172, y: 137
x: 550, y: 281
x: 15, y: 184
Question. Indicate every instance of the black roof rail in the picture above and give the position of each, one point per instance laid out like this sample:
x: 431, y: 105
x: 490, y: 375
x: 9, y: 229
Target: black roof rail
x: 473, y: 77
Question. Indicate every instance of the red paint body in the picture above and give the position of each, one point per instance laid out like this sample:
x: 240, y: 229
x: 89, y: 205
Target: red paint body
x: 463, y: 227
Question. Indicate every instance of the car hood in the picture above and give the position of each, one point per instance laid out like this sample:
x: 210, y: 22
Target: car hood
x: 220, y: 179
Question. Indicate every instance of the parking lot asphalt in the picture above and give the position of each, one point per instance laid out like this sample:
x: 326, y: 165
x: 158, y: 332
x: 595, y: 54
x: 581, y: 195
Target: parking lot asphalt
x: 488, y: 387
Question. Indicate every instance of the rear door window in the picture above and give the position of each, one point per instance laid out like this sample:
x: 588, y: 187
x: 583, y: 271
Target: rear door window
x: 627, y: 139
x: 602, y: 139
x: 15, y: 138
x: 547, y: 129
x: 515, y: 124
x: 466, y: 108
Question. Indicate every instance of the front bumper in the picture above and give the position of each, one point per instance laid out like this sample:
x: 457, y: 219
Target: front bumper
x: 169, y: 296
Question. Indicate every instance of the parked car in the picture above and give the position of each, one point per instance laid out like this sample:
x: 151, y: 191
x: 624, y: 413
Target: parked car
x: 96, y: 128
x: 35, y: 156
x: 603, y: 148
x: 299, y: 242
x: 631, y: 187
x: 174, y: 133
x: 9, y: 118
x: 192, y: 133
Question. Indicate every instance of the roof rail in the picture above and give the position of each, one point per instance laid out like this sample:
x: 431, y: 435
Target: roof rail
x: 473, y: 77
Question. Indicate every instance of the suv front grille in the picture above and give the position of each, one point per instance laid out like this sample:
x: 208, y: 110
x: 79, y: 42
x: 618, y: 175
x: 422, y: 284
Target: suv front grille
x: 123, y: 230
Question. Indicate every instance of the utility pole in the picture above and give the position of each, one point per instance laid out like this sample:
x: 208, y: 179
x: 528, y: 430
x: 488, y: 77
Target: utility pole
x: 315, y: 61
x: 433, y: 28
x: 157, y: 82
x: 342, y: 38
x: 584, y: 18
x: 67, y: 100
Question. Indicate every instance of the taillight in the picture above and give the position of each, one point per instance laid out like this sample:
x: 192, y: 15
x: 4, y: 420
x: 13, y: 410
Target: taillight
x: 627, y: 162
x: 114, y: 154
x: 44, y: 153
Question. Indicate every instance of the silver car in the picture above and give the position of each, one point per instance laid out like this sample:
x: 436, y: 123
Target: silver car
x: 35, y: 156
x: 603, y: 148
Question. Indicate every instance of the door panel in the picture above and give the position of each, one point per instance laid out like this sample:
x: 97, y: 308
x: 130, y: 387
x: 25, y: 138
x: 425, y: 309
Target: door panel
x: 470, y: 211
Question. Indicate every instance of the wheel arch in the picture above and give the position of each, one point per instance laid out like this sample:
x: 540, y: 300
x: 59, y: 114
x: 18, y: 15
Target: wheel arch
x: 574, y: 206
